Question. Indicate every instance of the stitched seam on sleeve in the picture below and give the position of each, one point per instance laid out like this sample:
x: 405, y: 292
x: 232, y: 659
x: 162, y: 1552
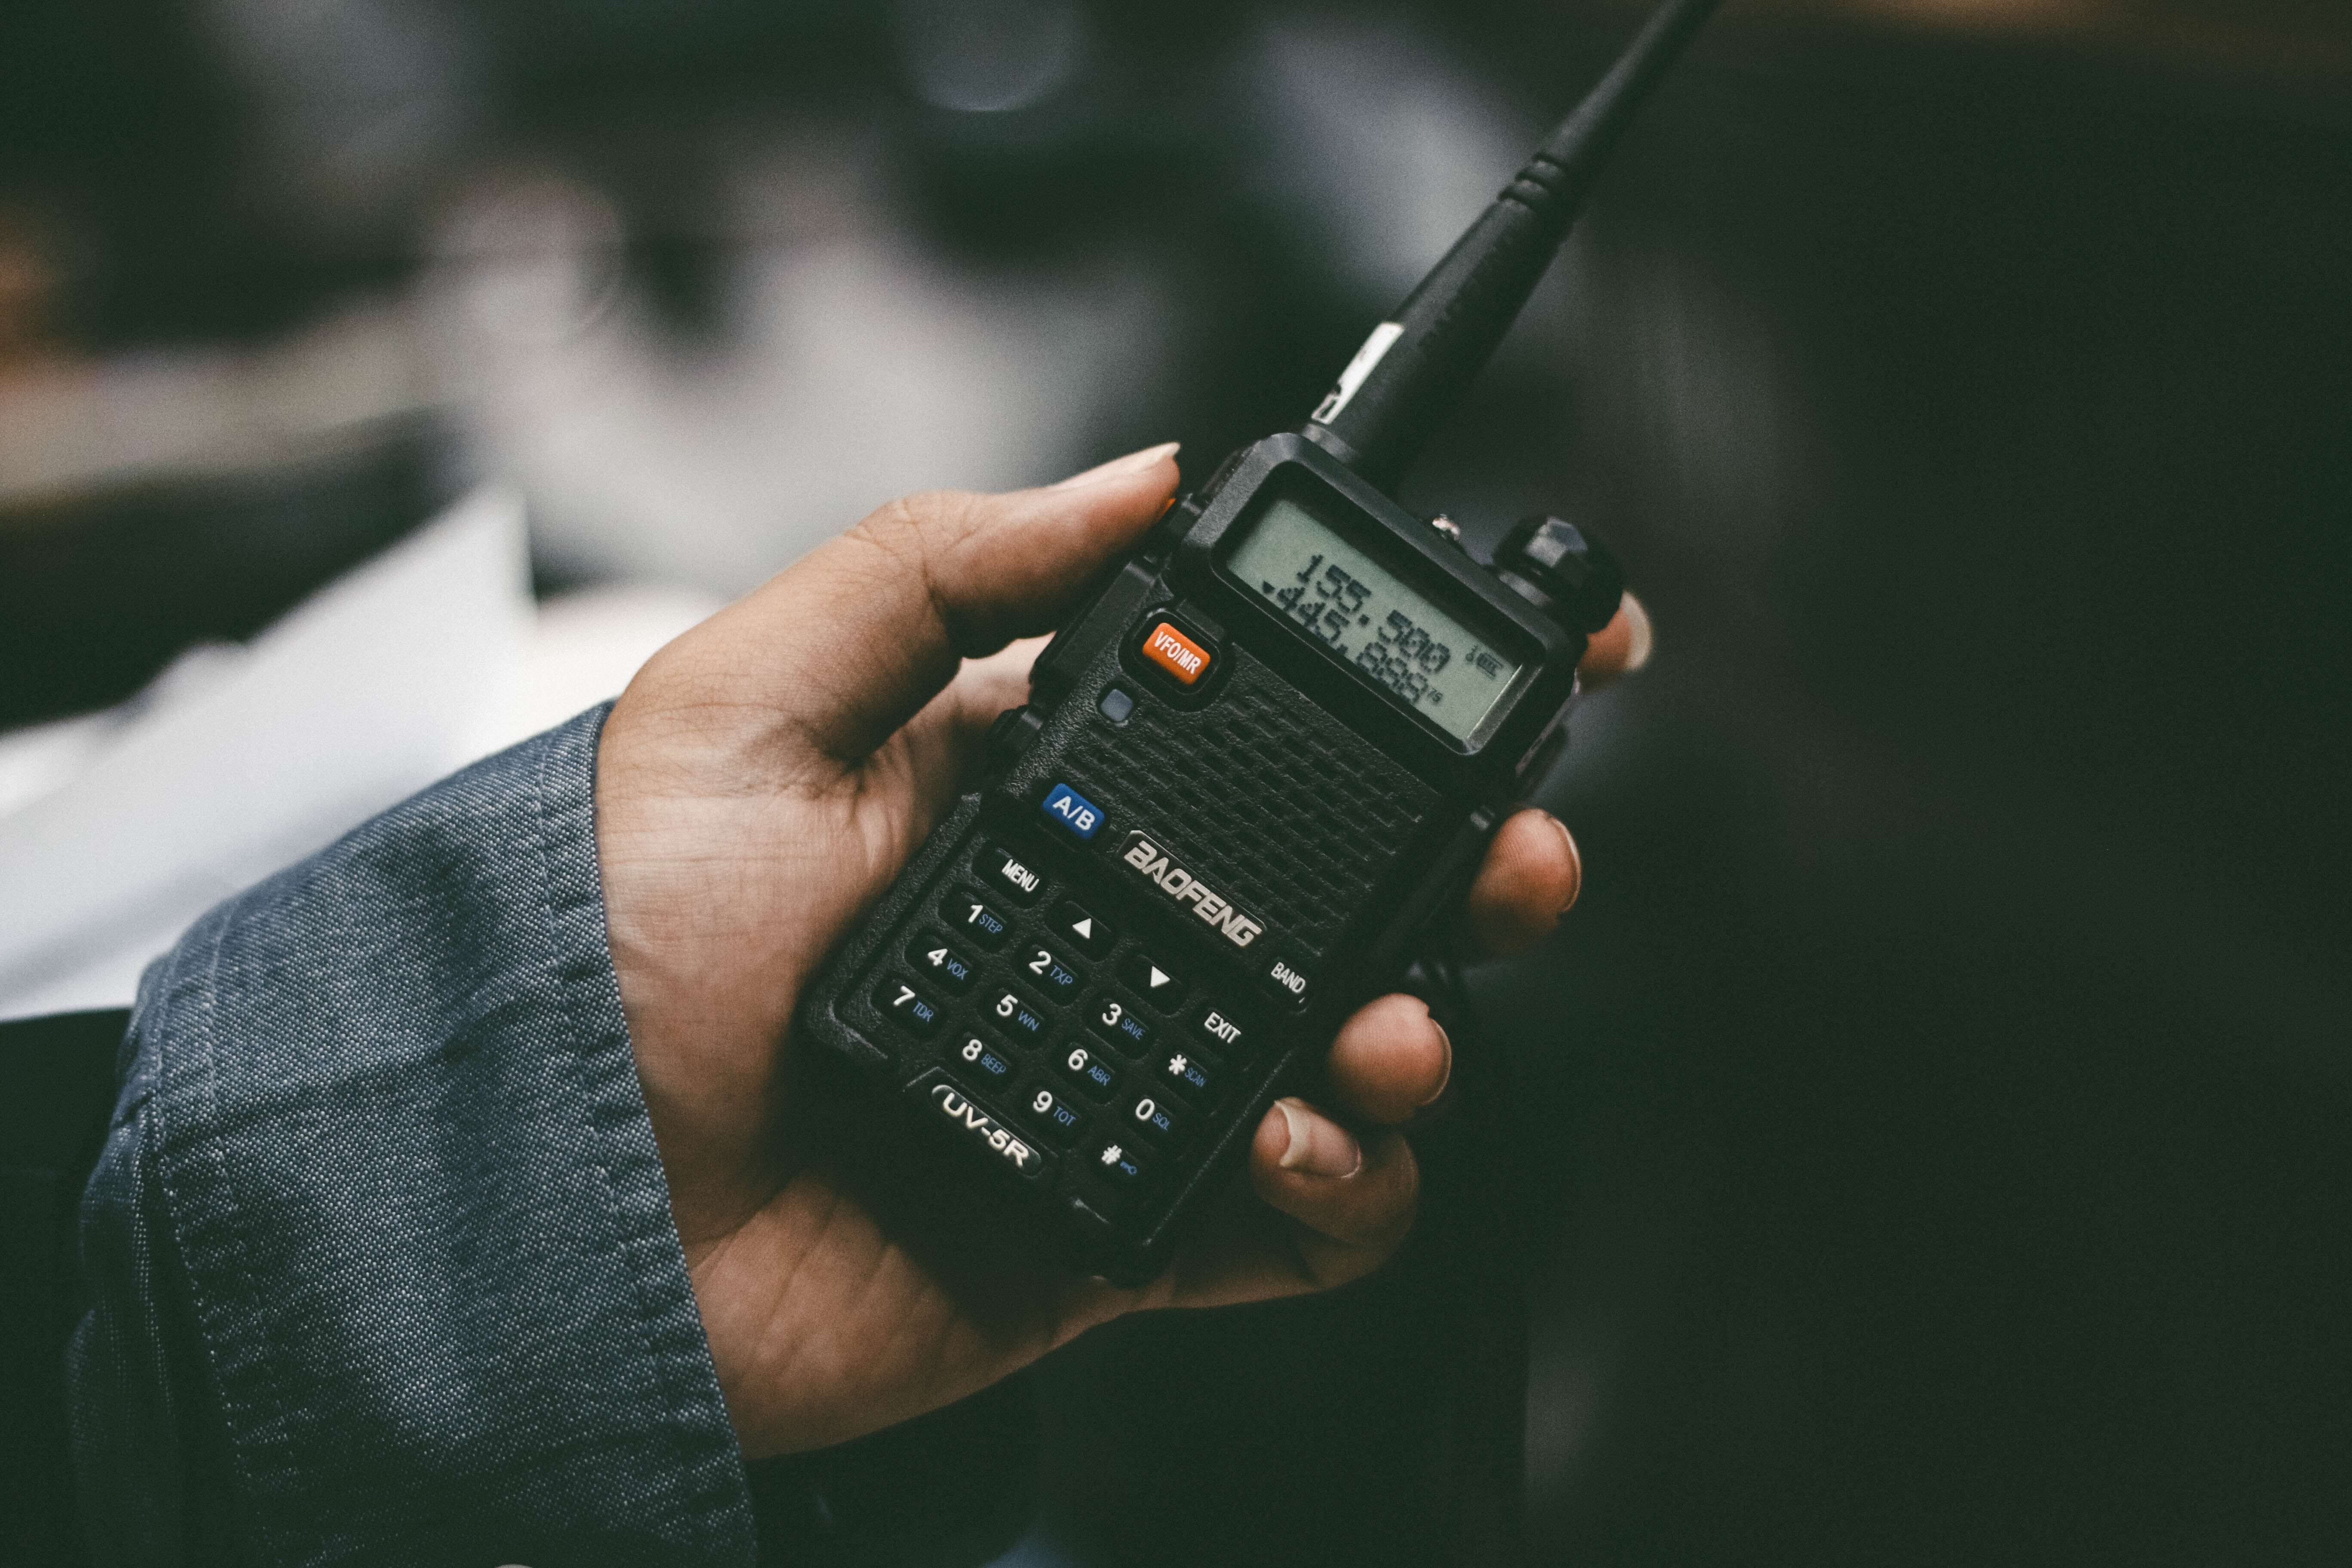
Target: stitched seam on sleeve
x: 626, y: 1234
x: 200, y: 1020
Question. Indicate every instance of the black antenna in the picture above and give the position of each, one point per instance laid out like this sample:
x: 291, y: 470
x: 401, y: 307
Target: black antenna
x: 1415, y: 367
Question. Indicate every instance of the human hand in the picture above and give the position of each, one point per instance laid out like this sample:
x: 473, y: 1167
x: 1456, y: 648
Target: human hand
x: 759, y: 784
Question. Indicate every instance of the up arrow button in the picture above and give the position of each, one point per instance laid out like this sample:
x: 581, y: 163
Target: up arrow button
x: 1091, y: 931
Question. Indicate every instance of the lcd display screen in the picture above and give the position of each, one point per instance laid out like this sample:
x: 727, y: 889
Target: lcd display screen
x: 1369, y: 617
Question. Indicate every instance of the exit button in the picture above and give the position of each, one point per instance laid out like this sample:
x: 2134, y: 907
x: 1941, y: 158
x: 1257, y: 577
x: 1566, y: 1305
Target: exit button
x: 1073, y: 813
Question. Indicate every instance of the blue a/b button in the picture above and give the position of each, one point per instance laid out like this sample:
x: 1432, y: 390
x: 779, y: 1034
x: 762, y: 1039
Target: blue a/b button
x: 1073, y: 813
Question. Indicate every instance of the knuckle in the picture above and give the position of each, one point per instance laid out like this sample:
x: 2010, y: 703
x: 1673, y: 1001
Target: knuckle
x: 1376, y: 1216
x: 922, y: 522
x: 1399, y: 1201
x: 918, y: 535
x: 1408, y: 1183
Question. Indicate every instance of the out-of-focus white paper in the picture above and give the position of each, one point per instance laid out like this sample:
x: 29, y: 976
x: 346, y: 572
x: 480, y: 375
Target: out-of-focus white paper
x: 118, y: 829
x: 240, y: 760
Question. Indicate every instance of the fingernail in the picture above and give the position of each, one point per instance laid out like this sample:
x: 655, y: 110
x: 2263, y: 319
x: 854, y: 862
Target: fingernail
x: 1575, y: 859
x: 1317, y: 1146
x: 1446, y: 1044
x: 1640, y: 637
x: 1129, y: 464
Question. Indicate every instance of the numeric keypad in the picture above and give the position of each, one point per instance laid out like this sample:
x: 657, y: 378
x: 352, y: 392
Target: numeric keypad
x: 1001, y: 977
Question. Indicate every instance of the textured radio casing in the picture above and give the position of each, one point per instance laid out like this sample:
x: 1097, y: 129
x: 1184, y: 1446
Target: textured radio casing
x: 1287, y: 784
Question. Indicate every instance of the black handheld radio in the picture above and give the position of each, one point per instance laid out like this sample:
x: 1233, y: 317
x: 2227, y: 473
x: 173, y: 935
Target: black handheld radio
x: 1252, y: 767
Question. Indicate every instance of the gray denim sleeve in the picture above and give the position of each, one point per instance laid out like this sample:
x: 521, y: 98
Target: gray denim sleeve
x: 379, y: 1256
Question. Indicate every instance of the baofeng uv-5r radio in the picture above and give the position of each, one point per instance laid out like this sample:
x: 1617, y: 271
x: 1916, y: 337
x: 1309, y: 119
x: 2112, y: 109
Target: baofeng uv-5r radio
x: 1266, y: 752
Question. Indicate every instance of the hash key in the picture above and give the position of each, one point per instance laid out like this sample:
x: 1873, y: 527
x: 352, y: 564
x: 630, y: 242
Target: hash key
x: 1118, y: 1162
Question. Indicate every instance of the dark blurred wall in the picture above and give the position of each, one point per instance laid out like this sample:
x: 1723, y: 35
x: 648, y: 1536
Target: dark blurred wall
x: 1934, y: 1112
x: 1958, y: 1029
x: 1937, y: 1103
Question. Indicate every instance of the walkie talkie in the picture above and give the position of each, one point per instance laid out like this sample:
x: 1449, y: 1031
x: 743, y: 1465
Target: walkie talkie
x: 1252, y: 769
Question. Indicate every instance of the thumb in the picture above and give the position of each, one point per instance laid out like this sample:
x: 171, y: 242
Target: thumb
x: 845, y: 645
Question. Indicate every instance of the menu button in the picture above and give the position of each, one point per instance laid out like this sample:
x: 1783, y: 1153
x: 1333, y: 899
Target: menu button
x: 1011, y: 876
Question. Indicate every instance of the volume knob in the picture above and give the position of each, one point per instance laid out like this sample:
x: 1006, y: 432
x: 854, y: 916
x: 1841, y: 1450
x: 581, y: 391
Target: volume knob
x: 1561, y: 570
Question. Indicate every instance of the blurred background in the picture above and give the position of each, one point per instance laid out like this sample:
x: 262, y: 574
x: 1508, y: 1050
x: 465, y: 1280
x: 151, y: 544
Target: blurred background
x: 1936, y: 1113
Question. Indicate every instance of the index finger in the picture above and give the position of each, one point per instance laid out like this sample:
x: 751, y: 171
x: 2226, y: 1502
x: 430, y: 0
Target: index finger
x: 845, y: 645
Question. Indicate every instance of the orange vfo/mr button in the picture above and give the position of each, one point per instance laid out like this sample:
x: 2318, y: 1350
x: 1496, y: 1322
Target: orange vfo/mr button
x: 1177, y: 654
